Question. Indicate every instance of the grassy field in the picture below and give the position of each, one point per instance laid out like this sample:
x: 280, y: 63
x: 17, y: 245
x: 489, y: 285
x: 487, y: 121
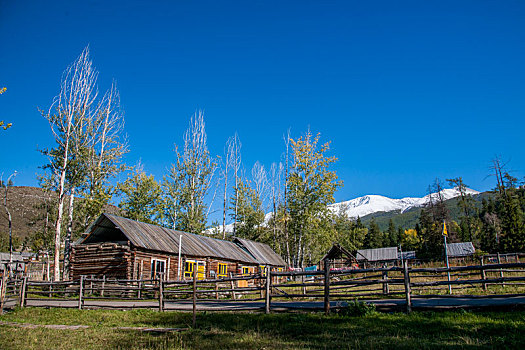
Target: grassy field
x: 259, y: 331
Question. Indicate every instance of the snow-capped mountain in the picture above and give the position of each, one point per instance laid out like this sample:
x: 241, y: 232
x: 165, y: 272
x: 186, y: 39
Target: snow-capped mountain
x: 373, y: 203
x: 370, y: 204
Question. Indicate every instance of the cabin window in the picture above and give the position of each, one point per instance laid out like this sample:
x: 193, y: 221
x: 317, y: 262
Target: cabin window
x: 280, y: 269
x: 189, y: 267
x: 158, y: 267
x: 245, y: 270
x: 223, y: 270
x: 263, y: 269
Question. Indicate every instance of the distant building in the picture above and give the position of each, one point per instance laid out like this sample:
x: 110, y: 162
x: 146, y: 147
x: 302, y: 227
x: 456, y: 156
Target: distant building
x: 460, y: 250
x: 377, y: 256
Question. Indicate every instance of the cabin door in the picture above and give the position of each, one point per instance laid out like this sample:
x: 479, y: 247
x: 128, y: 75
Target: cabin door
x: 201, y: 270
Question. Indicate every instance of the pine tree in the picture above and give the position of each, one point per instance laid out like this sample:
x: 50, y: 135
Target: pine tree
x: 374, y: 236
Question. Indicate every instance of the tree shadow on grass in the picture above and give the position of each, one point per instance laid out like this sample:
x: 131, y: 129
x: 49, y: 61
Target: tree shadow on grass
x: 419, y: 330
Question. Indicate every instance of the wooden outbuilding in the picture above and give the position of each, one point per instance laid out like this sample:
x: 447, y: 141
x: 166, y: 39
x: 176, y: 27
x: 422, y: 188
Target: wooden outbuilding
x: 122, y: 248
x: 339, y: 258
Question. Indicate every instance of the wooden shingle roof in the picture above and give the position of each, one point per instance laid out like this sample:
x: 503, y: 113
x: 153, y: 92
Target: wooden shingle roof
x: 153, y: 237
x: 261, y: 252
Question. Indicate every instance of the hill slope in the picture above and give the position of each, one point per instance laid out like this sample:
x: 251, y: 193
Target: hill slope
x: 27, y: 207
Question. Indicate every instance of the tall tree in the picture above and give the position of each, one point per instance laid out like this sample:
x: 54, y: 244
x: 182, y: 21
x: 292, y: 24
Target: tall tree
x: 250, y: 214
x: 191, y: 176
x: 311, y: 187
x: 226, y: 165
x: 466, y: 205
x: 67, y: 118
x: 374, y: 236
x: 141, y: 197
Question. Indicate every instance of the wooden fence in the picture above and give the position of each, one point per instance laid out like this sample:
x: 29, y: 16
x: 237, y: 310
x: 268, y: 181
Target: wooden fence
x: 402, y: 283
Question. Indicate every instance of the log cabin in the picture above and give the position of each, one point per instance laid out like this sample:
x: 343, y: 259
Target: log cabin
x: 122, y: 248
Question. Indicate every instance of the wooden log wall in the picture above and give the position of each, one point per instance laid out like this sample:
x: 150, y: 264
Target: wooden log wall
x: 112, y: 260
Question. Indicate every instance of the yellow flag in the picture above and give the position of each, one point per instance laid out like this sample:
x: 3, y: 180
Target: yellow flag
x: 445, y: 233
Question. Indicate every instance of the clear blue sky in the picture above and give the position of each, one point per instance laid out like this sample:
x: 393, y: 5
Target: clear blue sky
x: 406, y: 91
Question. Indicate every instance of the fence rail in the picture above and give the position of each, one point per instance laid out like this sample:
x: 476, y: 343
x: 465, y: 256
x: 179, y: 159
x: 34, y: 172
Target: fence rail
x: 402, y: 283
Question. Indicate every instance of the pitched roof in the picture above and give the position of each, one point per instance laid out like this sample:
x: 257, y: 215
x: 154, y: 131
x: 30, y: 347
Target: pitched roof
x: 337, y: 251
x: 460, y: 249
x: 261, y: 252
x: 153, y: 237
x: 378, y: 254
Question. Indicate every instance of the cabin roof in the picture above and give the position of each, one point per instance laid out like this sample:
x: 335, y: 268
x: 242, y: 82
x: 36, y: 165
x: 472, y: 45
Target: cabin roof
x: 377, y: 254
x: 260, y: 251
x: 153, y: 237
x: 455, y: 250
x: 338, y: 251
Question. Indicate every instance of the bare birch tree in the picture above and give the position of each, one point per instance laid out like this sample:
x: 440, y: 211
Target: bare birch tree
x: 236, y: 166
x: 10, y: 221
x: 191, y: 177
x: 67, y: 116
x: 226, y: 165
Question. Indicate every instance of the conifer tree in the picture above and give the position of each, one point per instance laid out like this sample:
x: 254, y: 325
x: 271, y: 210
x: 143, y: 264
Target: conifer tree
x: 374, y: 236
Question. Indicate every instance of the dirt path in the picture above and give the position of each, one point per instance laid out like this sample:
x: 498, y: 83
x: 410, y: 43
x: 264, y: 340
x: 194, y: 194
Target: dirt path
x: 382, y: 304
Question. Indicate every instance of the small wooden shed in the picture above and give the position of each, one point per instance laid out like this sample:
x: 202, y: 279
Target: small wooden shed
x: 126, y: 249
x: 339, y: 258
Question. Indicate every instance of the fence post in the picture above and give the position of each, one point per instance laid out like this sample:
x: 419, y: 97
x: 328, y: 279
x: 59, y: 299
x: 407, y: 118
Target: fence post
x: 194, y: 321
x: 3, y: 290
x: 140, y: 287
x: 23, y: 292
x: 483, y: 274
x: 161, y: 293
x: 216, y: 290
x: 267, y: 296
x: 232, y: 285
x: 500, y: 270
x: 327, y: 286
x: 80, y: 290
x: 407, y: 286
x: 386, y: 289
x: 103, y: 285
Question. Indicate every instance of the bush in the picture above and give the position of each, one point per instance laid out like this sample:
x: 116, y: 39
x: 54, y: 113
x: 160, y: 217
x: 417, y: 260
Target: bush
x: 357, y: 308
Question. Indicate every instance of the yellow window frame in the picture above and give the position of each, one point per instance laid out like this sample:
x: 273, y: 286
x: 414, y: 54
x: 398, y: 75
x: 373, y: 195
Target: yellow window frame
x: 189, y: 267
x: 222, y: 270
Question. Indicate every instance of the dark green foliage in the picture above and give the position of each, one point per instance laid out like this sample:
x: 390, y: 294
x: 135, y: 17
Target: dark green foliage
x: 358, y: 308
x: 374, y: 237
x: 349, y: 234
x: 141, y: 197
x: 250, y: 214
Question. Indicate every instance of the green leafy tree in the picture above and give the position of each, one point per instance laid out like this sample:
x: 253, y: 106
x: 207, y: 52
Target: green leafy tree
x: 250, y: 214
x: 348, y: 233
x: 310, y: 189
x: 141, y: 197
x: 189, y: 180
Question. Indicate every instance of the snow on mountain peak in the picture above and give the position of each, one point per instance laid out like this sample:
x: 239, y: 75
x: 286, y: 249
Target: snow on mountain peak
x: 370, y: 204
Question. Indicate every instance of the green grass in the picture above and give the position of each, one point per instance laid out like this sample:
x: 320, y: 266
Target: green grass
x: 257, y: 331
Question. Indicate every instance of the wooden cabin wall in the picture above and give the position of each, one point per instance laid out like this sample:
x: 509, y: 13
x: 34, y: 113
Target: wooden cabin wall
x: 142, y: 264
x: 110, y: 259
